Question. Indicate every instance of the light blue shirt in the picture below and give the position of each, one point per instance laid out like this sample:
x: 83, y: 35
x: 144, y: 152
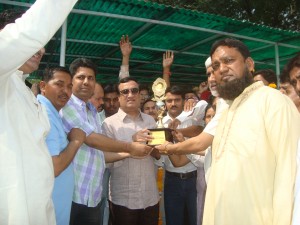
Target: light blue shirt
x: 64, y: 184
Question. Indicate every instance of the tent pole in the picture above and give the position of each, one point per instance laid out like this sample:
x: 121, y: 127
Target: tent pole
x: 63, y: 42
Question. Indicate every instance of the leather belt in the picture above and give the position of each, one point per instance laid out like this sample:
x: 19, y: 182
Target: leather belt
x: 183, y: 176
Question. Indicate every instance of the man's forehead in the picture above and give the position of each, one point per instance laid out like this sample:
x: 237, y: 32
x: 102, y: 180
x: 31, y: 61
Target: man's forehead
x: 223, y: 51
x: 295, y: 72
x: 85, y: 71
x: 129, y: 84
x: 173, y: 96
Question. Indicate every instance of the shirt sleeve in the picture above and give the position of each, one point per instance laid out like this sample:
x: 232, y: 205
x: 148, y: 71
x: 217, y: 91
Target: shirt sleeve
x: 196, y: 113
x: 22, y: 39
x: 211, y: 127
x: 71, y: 118
x: 197, y: 160
x: 52, y: 140
x: 124, y: 71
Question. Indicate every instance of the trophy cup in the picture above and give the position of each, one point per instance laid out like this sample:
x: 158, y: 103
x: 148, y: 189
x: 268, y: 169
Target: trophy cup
x: 160, y: 134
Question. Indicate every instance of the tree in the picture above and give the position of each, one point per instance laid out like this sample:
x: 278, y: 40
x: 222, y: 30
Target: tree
x: 276, y: 13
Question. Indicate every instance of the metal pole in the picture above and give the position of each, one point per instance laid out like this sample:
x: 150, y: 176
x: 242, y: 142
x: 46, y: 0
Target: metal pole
x: 277, y: 63
x: 63, y: 42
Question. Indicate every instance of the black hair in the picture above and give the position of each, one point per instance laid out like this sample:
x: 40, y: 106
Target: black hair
x: 9, y: 16
x: 231, y: 43
x: 49, y: 72
x: 294, y: 62
x: 193, y: 92
x: 82, y: 62
x: 176, y: 90
x: 147, y: 100
x: 110, y: 88
x: 126, y: 80
x: 268, y: 74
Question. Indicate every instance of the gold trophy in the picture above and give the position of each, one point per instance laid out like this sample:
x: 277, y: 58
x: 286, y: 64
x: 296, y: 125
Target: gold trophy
x: 160, y: 134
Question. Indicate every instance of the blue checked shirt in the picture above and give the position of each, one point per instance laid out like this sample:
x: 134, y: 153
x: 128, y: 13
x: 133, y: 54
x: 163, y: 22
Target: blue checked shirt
x: 89, y: 163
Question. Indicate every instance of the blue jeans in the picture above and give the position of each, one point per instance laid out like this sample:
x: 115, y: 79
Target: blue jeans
x: 180, y: 194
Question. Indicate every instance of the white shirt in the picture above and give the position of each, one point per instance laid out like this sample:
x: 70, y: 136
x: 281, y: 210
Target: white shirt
x: 254, y: 160
x: 26, y: 170
x: 164, y: 160
x: 197, y: 113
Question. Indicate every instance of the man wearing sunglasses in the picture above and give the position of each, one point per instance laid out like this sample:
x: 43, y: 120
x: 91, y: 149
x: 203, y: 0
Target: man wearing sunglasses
x: 133, y: 191
x: 89, y: 161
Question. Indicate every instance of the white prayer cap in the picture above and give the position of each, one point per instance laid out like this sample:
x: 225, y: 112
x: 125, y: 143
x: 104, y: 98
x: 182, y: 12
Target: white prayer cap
x: 208, y: 62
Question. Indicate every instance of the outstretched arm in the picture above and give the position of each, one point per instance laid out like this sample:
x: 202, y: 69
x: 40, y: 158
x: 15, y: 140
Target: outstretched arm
x: 126, y: 49
x: 31, y: 33
x: 168, y: 58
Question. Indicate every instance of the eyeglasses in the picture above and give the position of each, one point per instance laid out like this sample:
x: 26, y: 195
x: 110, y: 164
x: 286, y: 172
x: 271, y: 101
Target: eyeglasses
x: 133, y: 91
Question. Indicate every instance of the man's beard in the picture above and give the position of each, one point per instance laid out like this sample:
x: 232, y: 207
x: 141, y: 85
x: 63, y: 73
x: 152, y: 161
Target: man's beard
x: 232, y: 89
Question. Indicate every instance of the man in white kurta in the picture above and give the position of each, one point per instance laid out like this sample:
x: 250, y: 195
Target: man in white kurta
x: 26, y: 170
x: 254, y: 150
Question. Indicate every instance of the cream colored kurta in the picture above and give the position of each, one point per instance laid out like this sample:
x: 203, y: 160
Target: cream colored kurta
x: 26, y: 170
x: 254, y: 161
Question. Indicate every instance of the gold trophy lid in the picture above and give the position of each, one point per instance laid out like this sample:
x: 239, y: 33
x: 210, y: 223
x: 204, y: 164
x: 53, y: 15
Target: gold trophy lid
x: 159, y: 88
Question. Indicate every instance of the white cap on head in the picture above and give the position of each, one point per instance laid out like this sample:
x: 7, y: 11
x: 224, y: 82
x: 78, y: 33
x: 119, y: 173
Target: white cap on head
x: 208, y: 62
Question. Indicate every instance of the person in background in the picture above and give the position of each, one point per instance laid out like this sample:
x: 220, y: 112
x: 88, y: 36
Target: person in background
x: 97, y: 98
x: 288, y: 89
x: 292, y: 71
x: 267, y: 76
x: 149, y: 107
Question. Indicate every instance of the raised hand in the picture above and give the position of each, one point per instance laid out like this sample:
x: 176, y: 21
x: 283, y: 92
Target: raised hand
x: 168, y: 58
x: 125, y: 46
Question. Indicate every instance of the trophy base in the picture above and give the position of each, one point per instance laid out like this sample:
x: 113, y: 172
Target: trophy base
x: 160, y: 136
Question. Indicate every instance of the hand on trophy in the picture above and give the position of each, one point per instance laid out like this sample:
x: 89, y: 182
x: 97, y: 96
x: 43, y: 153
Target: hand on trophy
x: 174, y: 124
x: 177, y: 136
x: 142, y: 136
x: 138, y: 150
x: 163, y: 148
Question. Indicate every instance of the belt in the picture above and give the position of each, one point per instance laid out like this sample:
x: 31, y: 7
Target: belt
x: 183, y: 176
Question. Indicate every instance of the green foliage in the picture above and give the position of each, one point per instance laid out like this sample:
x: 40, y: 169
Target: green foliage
x: 282, y: 14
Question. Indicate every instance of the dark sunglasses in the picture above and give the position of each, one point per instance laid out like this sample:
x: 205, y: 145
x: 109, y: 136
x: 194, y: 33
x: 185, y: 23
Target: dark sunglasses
x: 133, y: 91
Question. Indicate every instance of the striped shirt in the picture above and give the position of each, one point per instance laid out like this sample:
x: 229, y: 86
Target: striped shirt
x: 89, y: 163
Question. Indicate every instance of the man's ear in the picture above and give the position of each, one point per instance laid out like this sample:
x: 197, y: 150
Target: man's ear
x: 250, y: 64
x: 42, y: 86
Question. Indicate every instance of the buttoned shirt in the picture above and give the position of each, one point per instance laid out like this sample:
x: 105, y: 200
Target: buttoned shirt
x: 26, y: 169
x: 132, y: 181
x: 165, y: 161
x: 254, y: 160
x: 89, y: 163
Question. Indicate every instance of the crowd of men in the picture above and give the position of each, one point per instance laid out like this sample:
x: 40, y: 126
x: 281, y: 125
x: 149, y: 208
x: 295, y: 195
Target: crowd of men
x: 77, y: 152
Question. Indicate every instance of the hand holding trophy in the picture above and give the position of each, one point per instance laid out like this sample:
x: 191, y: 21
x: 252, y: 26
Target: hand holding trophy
x: 160, y: 134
